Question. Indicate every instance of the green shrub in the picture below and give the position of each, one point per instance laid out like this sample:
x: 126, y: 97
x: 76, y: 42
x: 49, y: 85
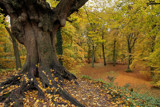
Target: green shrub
x: 111, y: 76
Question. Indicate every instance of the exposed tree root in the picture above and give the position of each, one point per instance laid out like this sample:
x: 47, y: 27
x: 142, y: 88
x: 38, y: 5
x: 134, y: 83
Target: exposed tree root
x: 11, y: 81
x: 48, y: 82
x: 64, y: 73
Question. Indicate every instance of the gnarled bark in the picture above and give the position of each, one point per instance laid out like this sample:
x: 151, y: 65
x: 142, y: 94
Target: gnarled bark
x: 34, y: 24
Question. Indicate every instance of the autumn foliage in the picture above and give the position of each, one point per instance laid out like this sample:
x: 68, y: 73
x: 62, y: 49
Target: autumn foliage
x: 114, y: 32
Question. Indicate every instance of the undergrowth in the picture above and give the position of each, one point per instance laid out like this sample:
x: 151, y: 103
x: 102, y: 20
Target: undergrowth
x: 86, y: 77
x: 125, y: 96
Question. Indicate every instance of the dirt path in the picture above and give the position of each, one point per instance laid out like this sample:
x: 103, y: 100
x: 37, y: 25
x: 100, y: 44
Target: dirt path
x: 137, y: 81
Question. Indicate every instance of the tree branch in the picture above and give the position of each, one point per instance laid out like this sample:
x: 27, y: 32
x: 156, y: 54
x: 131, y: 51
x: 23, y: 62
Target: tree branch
x: 79, y: 4
x: 134, y: 42
x: 66, y: 7
x: 153, y: 3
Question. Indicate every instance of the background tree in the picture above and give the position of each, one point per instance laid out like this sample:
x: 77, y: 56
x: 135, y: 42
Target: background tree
x: 59, y: 45
x: 6, y: 56
x: 16, y: 50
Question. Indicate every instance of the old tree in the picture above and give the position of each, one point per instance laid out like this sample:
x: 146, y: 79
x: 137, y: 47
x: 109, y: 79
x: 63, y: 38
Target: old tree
x: 34, y: 24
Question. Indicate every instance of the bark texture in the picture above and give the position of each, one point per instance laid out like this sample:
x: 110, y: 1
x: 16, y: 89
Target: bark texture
x: 34, y: 24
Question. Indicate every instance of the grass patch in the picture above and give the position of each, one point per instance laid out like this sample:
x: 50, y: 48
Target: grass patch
x: 100, y: 80
x: 86, y: 77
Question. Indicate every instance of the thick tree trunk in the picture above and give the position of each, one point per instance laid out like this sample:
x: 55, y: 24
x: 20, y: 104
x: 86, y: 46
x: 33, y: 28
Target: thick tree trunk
x: 131, y: 40
x: 59, y: 45
x: 34, y: 24
x: 129, y: 60
x: 15, y: 48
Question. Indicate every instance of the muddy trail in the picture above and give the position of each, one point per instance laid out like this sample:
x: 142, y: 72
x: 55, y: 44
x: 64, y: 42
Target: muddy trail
x: 135, y: 80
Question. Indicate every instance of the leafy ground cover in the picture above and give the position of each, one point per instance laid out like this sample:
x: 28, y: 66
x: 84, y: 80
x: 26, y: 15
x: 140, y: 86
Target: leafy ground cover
x: 122, y: 96
x: 91, y: 93
x: 140, y: 83
x: 88, y: 92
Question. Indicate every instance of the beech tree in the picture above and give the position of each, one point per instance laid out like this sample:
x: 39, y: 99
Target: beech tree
x: 34, y: 24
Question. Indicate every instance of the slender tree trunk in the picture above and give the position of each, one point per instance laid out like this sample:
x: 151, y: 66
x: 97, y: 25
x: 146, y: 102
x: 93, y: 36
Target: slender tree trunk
x: 129, y: 61
x: 15, y: 48
x: 152, y: 50
x: 103, y: 51
x: 5, y: 49
x: 89, y: 53
x: 114, y: 53
x: 129, y: 58
x: 93, y: 55
x: 59, y: 45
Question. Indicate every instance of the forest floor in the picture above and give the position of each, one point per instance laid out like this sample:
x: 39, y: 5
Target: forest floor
x: 135, y: 80
x: 92, y: 93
